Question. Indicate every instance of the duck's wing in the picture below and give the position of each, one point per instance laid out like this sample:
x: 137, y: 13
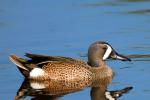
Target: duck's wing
x: 40, y: 59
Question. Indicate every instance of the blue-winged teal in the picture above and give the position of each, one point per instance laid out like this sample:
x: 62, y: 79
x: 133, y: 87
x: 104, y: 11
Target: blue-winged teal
x: 68, y: 72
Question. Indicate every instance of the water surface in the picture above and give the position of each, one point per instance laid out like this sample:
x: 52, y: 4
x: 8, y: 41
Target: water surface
x: 67, y: 28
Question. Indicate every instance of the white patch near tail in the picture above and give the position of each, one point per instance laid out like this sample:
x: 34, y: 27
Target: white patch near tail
x: 36, y: 85
x: 108, y: 96
x: 37, y: 72
x: 107, y: 53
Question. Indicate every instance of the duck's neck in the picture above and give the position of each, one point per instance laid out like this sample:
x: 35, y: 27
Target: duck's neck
x: 97, y: 63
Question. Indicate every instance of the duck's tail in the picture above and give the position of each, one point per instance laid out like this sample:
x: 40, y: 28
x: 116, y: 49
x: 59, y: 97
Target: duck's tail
x: 21, y: 64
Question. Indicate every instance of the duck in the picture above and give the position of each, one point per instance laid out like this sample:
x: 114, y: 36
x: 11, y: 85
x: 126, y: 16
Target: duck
x: 66, y: 73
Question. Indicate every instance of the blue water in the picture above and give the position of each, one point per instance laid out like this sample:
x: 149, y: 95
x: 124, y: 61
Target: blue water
x: 67, y: 28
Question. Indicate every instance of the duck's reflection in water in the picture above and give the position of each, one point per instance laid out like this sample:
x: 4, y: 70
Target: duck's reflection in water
x: 98, y: 93
x: 99, y: 90
x: 43, y: 90
x: 37, y: 90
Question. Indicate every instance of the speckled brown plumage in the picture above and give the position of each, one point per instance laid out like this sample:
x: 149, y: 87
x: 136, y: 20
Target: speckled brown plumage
x: 70, y: 73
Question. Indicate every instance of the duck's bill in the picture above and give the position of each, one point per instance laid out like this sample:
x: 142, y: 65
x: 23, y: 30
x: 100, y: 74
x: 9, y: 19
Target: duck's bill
x: 120, y: 57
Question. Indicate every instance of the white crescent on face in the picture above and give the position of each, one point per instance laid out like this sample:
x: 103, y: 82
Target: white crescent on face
x: 107, y: 53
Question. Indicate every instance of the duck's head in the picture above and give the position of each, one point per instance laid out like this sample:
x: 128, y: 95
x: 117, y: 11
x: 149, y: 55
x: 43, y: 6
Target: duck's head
x: 100, y: 51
